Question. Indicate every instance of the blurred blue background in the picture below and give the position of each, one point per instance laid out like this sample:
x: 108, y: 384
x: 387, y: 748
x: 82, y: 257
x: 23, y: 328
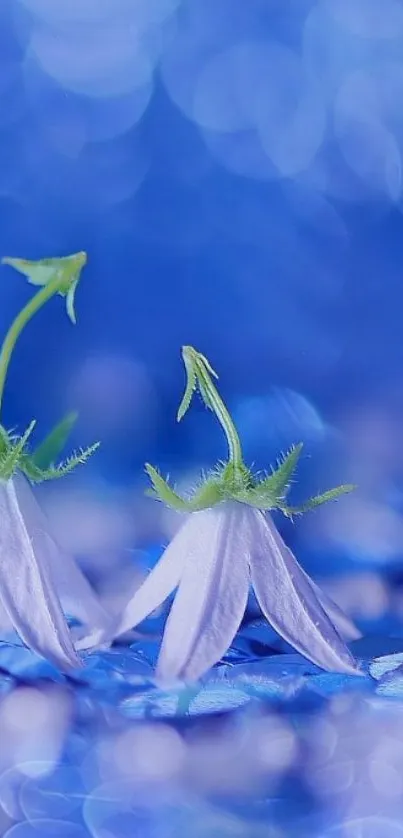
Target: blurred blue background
x: 234, y: 172
x: 233, y: 169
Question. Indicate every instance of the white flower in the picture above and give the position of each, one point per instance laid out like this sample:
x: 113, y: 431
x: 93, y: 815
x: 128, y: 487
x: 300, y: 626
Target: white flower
x: 212, y: 561
x: 34, y: 572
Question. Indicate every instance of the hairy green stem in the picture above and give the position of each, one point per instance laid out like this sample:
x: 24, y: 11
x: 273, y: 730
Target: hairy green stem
x: 225, y: 420
x: 199, y: 376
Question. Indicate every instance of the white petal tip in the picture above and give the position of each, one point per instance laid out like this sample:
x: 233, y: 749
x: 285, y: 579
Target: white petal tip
x: 167, y: 682
x: 165, y: 679
x: 169, y: 677
x: 67, y: 664
x: 78, y: 664
x: 91, y: 642
x: 348, y: 667
x: 356, y: 670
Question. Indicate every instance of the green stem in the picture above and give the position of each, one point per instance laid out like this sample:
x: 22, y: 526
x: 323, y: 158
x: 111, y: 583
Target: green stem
x: 224, y: 418
x: 45, y: 294
x: 199, y: 376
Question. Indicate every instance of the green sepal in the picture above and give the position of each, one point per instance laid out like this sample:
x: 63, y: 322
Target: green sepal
x: 41, y: 272
x: 227, y: 483
x: 46, y: 454
x: 37, y: 272
x: 253, y: 498
x: 162, y: 490
x: 236, y: 480
x: 276, y: 485
x: 4, y: 440
x: 39, y: 475
x: 14, y: 454
x: 208, y: 495
x: 317, y: 500
x: 272, y: 490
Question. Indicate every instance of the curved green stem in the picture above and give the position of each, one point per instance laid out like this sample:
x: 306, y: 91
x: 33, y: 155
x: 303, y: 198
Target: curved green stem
x: 42, y: 296
x: 199, y: 376
x: 225, y: 420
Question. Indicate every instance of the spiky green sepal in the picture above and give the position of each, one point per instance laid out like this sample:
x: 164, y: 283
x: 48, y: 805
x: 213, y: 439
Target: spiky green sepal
x: 209, y: 494
x: 162, y: 490
x: 15, y: 455
x: 4, y: 440
x: 54, y: 472
x: 317, y: 500
x: 12, y: 456
x: 227, y: 483
x: 277, y: 484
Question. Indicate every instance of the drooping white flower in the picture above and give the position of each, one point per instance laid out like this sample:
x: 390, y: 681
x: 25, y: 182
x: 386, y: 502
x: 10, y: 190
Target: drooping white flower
x: 212, y: 561
x: 35, y: 574
x: 229, y: 543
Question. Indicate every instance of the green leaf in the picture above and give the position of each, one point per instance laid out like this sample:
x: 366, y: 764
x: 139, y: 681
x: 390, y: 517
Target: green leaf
x: 38, y: 475
x: 163, y: 491
x: 317, y: 500
x: 50, y: 449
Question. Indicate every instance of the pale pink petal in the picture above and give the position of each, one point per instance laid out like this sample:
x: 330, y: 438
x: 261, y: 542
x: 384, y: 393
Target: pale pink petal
x: 71, y: 583
x: 289, y: 602
x: 212, y: 595
x: 27, y: 587
x: 158, y: 585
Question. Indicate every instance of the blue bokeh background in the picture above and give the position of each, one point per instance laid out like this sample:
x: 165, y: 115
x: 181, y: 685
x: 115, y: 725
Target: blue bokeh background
x: 233, y: 169
x: 234, y: 172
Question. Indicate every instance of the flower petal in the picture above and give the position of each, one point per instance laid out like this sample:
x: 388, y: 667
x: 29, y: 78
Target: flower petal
x: 212, y: 595
x: 158, y: 585
x: 27, y: 588
x: 290, y: 603
x: 70, y: 581
x: 345, y: 627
